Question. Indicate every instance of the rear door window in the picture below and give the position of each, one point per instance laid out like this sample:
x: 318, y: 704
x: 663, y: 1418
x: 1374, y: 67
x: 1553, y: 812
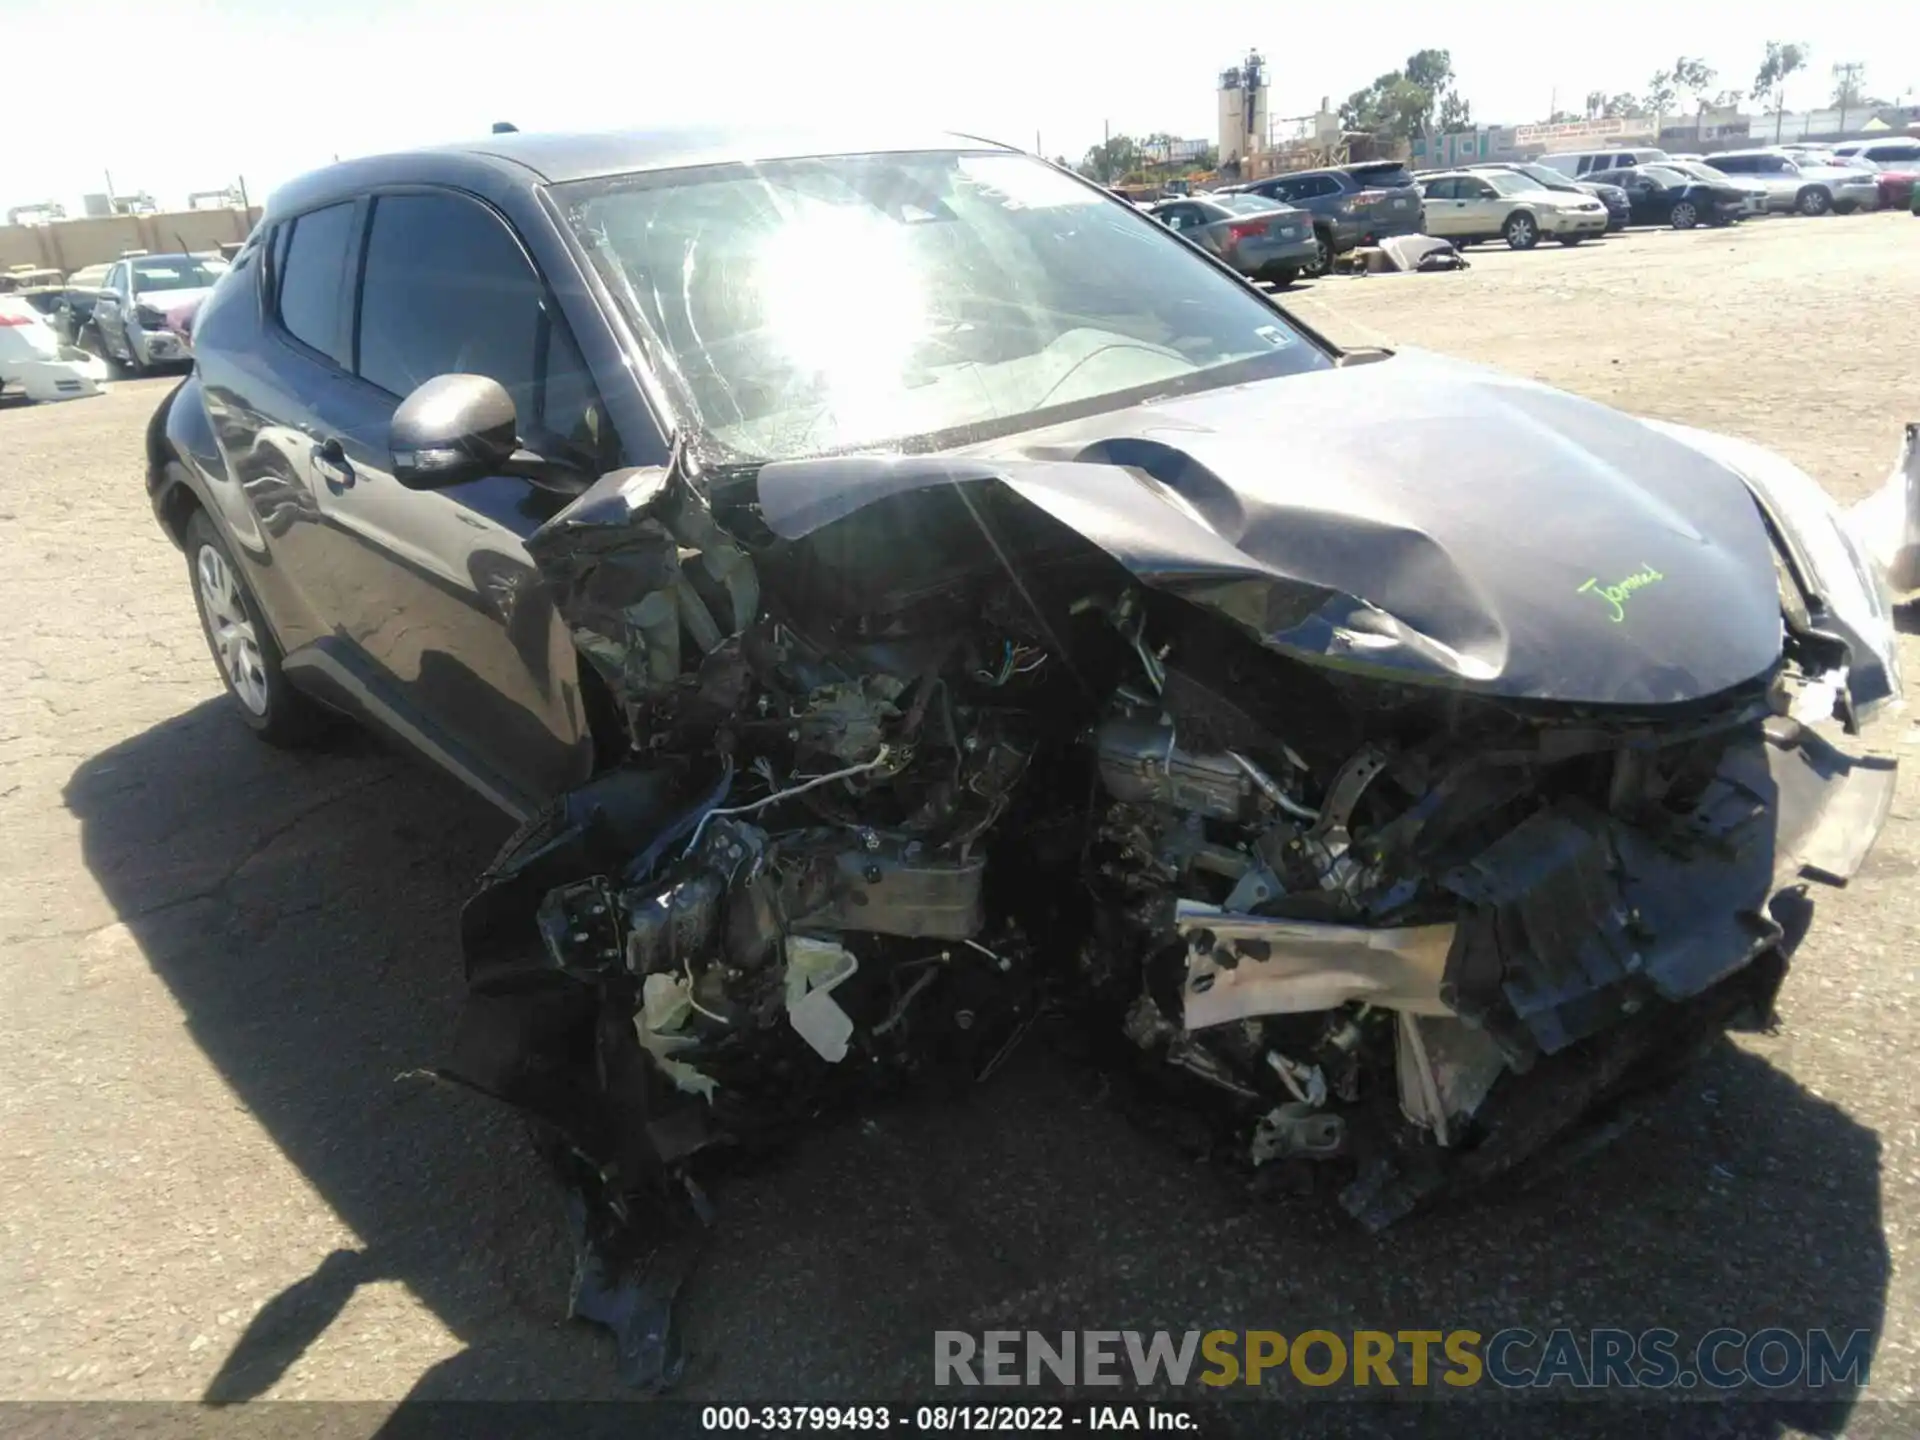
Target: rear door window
x: 1441, y: 189
x: 446, y: 289
x: 312, y: 280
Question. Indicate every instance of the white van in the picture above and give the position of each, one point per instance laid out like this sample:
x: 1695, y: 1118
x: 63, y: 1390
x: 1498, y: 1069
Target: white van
x: 1580, y: 163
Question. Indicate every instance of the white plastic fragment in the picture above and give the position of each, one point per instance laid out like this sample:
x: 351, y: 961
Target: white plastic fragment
x: 814, y: 968
x: 665, y: 1003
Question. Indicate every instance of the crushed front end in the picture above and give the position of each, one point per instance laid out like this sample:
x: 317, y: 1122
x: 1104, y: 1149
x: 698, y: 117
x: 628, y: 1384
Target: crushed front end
x: 903, y: 783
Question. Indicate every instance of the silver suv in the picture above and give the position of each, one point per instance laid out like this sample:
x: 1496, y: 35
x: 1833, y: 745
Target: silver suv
x: 1792, y: 185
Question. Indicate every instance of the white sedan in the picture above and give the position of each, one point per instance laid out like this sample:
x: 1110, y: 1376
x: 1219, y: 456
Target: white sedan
x: 33, y: 358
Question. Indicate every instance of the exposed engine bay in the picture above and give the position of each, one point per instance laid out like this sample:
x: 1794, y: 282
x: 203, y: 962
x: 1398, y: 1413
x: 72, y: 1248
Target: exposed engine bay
x: 897, y: 789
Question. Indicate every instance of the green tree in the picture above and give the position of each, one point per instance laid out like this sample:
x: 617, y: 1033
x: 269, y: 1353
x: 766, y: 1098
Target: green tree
x: 1410, y: 101
x: 1695, y: 77
x: 1391, y: 105
x: 1622, y: 105
x: 1111, y: 158
x: 1432, y: 71
x: 1660, y: 93
x: 1782, y: 62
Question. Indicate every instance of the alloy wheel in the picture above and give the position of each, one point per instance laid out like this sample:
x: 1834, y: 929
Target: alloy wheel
x: 223, y: 610
x: 1520, y: 232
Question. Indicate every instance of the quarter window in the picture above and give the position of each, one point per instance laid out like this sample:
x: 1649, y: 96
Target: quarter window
x: 446, y: 289
x: 312, y: 277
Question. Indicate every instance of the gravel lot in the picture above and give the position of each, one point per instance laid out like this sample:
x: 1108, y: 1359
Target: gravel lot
x: 215, y: 1179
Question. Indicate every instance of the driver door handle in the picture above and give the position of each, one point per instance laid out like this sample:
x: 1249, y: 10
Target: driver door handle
x: 330, y: 463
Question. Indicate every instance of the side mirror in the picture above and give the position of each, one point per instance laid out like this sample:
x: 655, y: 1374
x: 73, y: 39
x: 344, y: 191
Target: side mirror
x: 452, y: 429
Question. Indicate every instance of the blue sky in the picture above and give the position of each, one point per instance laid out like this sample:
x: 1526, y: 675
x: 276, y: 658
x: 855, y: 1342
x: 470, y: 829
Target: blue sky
x: 211, y: 89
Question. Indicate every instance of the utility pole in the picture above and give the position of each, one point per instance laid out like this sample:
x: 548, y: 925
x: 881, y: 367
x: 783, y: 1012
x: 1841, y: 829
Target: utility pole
x: 1846, y: 76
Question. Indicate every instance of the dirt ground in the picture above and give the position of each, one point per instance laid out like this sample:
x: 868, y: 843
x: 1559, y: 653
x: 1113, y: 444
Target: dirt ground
x: 218, y: 962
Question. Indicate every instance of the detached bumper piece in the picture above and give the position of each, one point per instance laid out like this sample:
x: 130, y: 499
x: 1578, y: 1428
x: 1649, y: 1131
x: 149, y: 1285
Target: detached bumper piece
x: 1575, y: 919
x: 1575, y: 923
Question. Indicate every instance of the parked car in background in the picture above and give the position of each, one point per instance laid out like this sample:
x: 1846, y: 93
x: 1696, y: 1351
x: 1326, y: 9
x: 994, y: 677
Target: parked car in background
x: 1755, y: 196
x: 1790, y: 185
x: 1666, y: 195
x: 1253, y: 234
x: 131, y: 313
x: 73, y: 311
x: 1901, y: 153
x: 35, y: 362
x: 1352, y: 205
x: 1577, y: 164
x: 1609, y: 195
x: 1487, y: 204
x: 1895, y: 179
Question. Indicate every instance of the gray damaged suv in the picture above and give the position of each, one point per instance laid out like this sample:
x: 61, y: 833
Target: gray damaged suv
x: 1351, y: 205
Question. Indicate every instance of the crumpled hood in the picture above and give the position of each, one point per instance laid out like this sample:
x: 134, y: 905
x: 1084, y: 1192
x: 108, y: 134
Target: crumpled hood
x: 1417, y: 518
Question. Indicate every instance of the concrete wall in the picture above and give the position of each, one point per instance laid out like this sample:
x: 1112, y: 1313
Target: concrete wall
x: 67, y: 245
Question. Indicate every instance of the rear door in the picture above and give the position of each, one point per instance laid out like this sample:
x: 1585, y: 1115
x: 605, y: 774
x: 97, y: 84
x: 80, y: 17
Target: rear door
x: 1446, y: 211
x: 445, y: 606
x: 1482, y: 210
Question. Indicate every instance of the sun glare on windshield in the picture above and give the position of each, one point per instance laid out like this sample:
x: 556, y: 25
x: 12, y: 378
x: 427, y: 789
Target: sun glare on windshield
x: 845, y: 305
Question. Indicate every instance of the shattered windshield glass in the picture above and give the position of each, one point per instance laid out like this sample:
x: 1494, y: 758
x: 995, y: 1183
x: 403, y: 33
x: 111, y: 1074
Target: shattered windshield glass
x: 827, y: 303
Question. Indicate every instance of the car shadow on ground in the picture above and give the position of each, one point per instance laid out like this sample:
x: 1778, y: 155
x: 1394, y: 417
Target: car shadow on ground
x: 302, y: 910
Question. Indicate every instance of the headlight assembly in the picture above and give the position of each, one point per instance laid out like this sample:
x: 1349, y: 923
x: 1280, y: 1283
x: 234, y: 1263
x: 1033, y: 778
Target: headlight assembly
x: 1835, y: 570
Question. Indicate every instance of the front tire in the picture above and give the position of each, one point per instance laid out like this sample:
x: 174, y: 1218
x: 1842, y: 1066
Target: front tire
x: 241, y: 644
x: 1685, y: 216
x: 1521, y: 232
x: 1813, y: 201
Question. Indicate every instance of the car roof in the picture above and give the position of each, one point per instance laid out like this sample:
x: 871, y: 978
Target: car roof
x: 554, y: 158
